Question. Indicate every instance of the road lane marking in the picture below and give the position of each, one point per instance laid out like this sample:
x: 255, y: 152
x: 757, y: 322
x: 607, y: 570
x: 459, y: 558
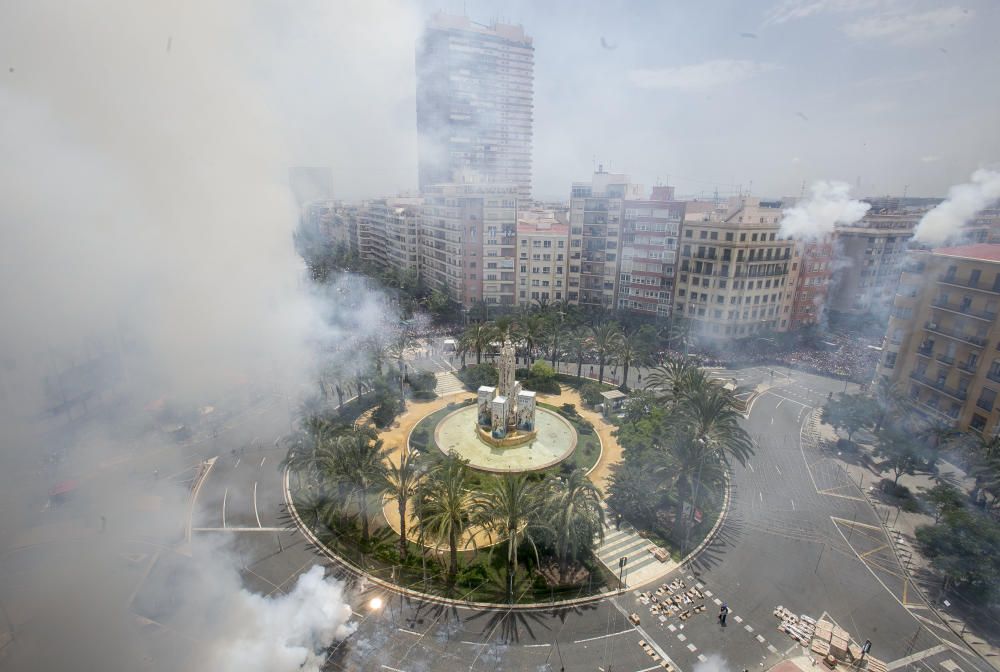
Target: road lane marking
x: 262, y: 462
x: 237, y: 463
x: 392, y: 669
x: 793, y: 503
x: 778, y: 470
x: 255, y: 514
x: 409, y: 632
x: 920, y: 655
x: 613, y: 634
x: 750, y: 466
x: 535, y: 646
x: 772, y: 419
x: 244, y: 529
x: 761, y: 495
x: 225, y: 496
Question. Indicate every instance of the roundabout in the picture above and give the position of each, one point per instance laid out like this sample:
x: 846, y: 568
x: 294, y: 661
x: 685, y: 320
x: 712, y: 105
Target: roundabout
x: 554, y: 440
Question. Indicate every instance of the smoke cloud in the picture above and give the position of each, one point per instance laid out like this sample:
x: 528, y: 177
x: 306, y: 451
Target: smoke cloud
x: 287, y: 632
x: 963, y: 203
x: 715, y: 663
x: 147, y: 269
x: 829, y: 204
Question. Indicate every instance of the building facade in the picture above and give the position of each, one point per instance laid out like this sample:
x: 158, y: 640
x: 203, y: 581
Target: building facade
x: 815, y: 265
x: 468, y: 242
x: 596, y: 213
x: 475, y: 92
x: 735, y: 277
x: 649, y: 253
x: 942, y: 344
x: 543, y: 260
x: 870, y: 258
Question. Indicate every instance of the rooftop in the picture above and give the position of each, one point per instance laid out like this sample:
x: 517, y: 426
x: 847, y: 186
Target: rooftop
x: 980, y: 251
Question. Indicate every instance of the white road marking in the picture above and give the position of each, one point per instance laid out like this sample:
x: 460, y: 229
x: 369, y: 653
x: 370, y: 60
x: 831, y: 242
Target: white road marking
x: 243, y: 529
x: 225, y: 496
x: 237, y: 462
x: 262, y: 462
x: 255, y: 514
x: 920, y: 655
x: 613, y: 634
x: 392, y: 669
x: 535, y: 646
x: 770, y: 647
x: 738, y: 619
x: 760, y: 638
x: 409, y: 632
x: 748, y: 627
x: 772, y: 419
x: 793, y: 503
x: 761, y: 495
x: 692, y: 648
x: 682, y: 637
x: 778, y: 470
x: 702, y: 658
x: 779, y: 404
x: 750, y: 466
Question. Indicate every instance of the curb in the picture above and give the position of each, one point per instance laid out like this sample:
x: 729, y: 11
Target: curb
x: 723, y: 514
x: 427, y: 597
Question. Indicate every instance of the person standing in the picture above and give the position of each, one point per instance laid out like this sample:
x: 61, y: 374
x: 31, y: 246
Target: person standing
x: 723, y: 613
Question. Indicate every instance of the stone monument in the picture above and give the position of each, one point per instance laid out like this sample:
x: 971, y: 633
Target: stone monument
x: 506, y: 412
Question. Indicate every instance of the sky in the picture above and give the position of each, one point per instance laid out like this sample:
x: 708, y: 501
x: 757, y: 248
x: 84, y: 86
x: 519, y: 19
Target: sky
x: 886, y: 95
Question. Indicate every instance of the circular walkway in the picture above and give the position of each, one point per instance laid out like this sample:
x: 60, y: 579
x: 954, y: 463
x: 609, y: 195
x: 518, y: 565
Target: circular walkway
x: 554, y: 442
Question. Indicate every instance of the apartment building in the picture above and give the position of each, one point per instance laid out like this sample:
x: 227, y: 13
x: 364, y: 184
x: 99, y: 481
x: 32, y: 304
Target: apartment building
x: 402, y: 232
x: 475, y: 93
x: 815, y: 262
x: 736, y: 276
x: 372, y: 235
x: 870, y: 258
x: 468, y: 242
x: 649, y: 253
x: 596, y: 214
x: 543, y: 259
x: 942, y: 344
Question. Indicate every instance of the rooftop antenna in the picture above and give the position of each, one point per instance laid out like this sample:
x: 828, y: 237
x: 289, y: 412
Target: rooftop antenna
x: 750, y: 188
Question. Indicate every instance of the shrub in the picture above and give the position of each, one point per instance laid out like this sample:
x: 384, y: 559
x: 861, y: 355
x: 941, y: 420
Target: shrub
x: 591, y: 393
x: 421, y: 381
x: 894, y: 490
x: 476, y: 376
x: 425, y: 394
x: 570, y: 410
x: 386, y: 411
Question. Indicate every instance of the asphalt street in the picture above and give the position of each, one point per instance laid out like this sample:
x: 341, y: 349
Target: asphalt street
x: 798, y: 534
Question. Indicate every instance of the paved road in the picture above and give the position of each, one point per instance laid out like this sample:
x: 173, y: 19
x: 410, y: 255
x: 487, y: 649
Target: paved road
x: 799, y: 534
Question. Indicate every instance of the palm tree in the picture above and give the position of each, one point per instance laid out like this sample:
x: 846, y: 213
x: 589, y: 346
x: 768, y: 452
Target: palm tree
x: 579, y: 343
x: 607, y: 337
x: 576, y: 516
x: 477, y: 337
x: 679, y: 331
x: 685, y: 463
x: 631, y: 350
x: 444, y: 506
x: 356, y: 464
x: 401, y: 482
x: 671, y: 380
x: 508, y: 508
x: 531, y: 330
x: 891, y: 399
x: 709, y: 411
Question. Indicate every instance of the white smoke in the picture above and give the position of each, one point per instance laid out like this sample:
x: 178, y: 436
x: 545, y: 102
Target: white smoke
x: 963, y: 202
x: 288, y: 632
x: 714, y: 663
x: 829, y: 204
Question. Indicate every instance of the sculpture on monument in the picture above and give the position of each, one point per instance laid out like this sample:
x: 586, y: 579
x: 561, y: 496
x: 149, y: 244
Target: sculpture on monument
x: 506, y: 412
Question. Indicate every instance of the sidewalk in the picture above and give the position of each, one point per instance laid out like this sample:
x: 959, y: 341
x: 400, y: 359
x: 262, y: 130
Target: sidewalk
x: 971, y: 622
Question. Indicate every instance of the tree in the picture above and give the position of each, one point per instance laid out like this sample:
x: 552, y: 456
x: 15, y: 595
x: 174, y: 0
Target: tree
x: 576, y: 517
x: 476, y: 338
x: 531, y: 330
x: 635, y: 491
x: 899, y: 452
x: 962, y: 547
x: 444, y: 506
x: 849, y: 412
x: 679, y: 333
x: 891, y: 399
x: 634, y: 349
x: 508, y: 508
x: 579, y: 344
x: 401, y: 483
x: 944, y: 497
x: 356, y: 464
x: 607, y: 337
x: 591, y: 393
x: 674, y: 378
x: 684, y: 464
x: 709, y: 410
x: 437, y: 304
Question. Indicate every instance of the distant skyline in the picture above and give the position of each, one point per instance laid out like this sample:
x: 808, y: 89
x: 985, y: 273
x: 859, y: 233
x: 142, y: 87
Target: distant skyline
x: 888, y: 94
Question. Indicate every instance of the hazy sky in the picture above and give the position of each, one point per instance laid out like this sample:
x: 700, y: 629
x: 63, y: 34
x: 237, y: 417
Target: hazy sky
x: 888, y: 92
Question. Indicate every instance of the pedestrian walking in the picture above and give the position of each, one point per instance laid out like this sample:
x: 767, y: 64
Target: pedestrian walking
x: 723, y: 613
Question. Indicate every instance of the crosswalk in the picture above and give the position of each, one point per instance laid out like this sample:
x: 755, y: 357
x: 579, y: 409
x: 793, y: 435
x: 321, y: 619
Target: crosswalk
x: 642, y: 566
x: 447, y: 383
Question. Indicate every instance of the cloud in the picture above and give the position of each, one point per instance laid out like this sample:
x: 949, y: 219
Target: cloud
x: 793, y: 10
x: 930, y: 159
x: 829, y: 204
x: 709, y: 74
x: 963, y: 203
x: 908, y: 27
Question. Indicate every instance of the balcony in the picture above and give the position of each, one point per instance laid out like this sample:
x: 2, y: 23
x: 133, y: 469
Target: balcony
x: 985, y: 405
x: 993, y: 375
x: 968, y: 367
x: 986, y: 315
x: 945, y: 359
x: 924, y: 352
x: 934, y: 328
x: 978, y: 286
x: 958, y: 395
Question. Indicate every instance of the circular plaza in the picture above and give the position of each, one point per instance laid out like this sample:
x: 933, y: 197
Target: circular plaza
x: 554, y: 440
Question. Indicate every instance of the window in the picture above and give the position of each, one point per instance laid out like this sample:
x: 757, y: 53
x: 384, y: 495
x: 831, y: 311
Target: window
x: 890, y: 360
x: 986, y: 399
x: 729, y: 237
x: 703, y: 234
x: 688, y: 233
x: 978, y: 422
